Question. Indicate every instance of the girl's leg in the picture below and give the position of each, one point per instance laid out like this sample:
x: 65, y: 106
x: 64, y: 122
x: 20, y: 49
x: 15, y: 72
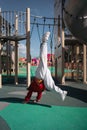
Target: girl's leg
x: 27, y: 98
x: 41, y: 69
x: 50, y: 85
x: 39, y: 95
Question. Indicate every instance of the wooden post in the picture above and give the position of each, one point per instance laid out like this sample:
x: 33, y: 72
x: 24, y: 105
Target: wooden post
x: 84, y: 64
x: 16, y: 52
x: 28, y: 45
x: 77, y: 62
x: 63, y: 59
x: 0, y: 68
x: 0, y: 54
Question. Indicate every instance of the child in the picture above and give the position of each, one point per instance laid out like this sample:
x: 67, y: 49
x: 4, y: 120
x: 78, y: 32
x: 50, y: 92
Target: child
x: 36, y: 85
x: 43, y: 78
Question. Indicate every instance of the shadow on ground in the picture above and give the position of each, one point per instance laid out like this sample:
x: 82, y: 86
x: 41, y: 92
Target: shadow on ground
x: 75, y: 92
x: 19, y: 100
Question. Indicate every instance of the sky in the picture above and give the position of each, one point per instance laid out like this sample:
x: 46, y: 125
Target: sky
x: 43, y: 8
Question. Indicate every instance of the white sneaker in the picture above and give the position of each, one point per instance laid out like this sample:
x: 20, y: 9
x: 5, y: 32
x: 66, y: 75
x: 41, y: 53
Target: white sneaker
x: 45, y: 37
x: 64, y: 95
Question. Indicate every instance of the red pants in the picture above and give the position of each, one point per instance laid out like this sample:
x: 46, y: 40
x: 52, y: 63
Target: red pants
x: 35, y: 86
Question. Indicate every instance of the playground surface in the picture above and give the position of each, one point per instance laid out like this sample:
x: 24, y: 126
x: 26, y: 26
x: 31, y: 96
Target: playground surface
x: 50, y: 113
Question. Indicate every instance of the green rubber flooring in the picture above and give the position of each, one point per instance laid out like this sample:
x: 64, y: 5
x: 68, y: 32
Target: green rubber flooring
x: 38, y: 117
x: 50, y: 114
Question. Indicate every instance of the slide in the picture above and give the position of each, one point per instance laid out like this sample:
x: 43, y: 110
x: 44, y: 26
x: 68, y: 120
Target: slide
x: 75, y: 18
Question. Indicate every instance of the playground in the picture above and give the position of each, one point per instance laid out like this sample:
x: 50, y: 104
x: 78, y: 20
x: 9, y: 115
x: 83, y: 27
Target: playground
x: 15, y: 31
x: 50, y: 113
x: 68, y: 68
x: 16, y: 28
x: 22, y: 75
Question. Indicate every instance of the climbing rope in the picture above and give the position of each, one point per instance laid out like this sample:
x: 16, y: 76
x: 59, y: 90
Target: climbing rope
x: 38, y: 33
x: 32, y: 27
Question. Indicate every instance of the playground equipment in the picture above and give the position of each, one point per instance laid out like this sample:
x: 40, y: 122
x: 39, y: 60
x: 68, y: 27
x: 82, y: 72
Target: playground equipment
x: 71, y: 15
x: 75, y: 18
x: 42, y: 24
x: 14, y: 26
